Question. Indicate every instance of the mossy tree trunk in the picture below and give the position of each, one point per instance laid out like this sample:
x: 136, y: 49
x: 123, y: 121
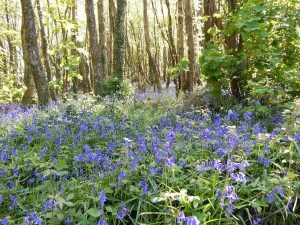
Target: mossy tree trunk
x: 119, y: 40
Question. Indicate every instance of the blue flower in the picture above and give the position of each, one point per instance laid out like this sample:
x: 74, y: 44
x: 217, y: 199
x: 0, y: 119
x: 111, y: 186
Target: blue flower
x: 144, y: 186
x: 122, y: 175
x: 180, y: 217
x: 271, y: 197
x: 102, y: 222
x: 122, y: 212
x: 102, y: 198
x: 50, y: 205
x: 33, y: 219
x: 219, y: 193
x: 4, y: 221
x: 257, y: 221
x: 68, y: 221
x: 14, y: 202
x: 192, y: 220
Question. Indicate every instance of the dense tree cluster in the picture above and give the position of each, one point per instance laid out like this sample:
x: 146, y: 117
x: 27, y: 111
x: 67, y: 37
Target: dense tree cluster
x: 246, y: 49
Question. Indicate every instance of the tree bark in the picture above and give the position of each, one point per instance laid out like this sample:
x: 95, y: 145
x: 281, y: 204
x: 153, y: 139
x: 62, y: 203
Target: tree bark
x: 31, y: 51
x: 152, y: 64
x: 29, y: 94
x: 119, y: 40
x: 44, y: 45
x: 97, y: 68
x: 180, y: 42
x: 102, y: 36
x: 110, y: 42
x: 190, y: 43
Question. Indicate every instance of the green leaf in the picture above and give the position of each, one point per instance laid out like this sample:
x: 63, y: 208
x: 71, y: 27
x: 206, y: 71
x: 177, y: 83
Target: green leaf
x: 94, y: 212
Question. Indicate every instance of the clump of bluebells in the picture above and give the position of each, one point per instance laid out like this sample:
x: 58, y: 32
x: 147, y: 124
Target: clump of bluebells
x: 145, y: 164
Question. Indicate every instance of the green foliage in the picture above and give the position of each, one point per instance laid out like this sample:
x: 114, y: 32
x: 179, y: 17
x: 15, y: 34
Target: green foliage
x: 123, y: 89
x: 179, y: 68
x: 268, y: 56
x: 9, y: 91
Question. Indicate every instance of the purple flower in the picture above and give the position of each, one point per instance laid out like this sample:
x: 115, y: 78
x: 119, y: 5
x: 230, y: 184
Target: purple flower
x: 4, y: 221
x: 232, y: 114
x: 50, y: 205
x: 238, y: 177
x: 260, y: 160
x: 102, y: 222
x: 219, y: 193
x: 271, y: 197
x: 144, y: 186
x: 279, y: 190
x: 266, y: 162
x: 33, y: 219
x: 257, y: 221
x: 122, y: 175
x: 102, y: 198
x: 169, y: 161
x: 221, y: 152
x: 297, y: 137
x: 2, y: 172
x: 122, y: 212
x: 181, y: 217
x: 16, y: 173
x: 192, y: 220
x: 43, y: 152
x: 68, y: 221
x: 230, y: 194
x: 1, y: 199
x: 14, y: 202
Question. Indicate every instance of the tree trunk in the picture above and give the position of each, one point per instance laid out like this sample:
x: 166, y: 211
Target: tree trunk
x: 29, y: 94
x: 31, y: 51
x: 102, y: 36
x: 11, y: 46
x: 170, y: 34
x: 44, y: 44
x: 74, y: 52
x: 110, y: 42
x: 209, y: 10
x: 97, y: 68
x: 119, y: 40
x: 152, y: 64
x: 190, y: 43
x: 180, y: 42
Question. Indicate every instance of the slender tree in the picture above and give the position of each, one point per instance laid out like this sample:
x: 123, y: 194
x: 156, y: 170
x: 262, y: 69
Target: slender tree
x: 102, y: 36
x: 119, y: 40
x: 180, y: 40
x: 44, y: 44
x: 190, y: 43
x: 31, y: 51
x: 110, y: 41
x: 152, y: 64
x: 97, y: 69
